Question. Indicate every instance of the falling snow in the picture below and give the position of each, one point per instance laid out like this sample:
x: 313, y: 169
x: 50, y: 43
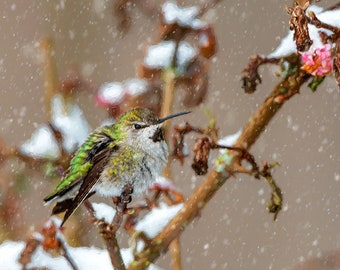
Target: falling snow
x: 302, y: 230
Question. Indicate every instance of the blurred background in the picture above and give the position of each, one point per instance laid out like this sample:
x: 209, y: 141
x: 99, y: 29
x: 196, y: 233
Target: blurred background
x: 234, y: 231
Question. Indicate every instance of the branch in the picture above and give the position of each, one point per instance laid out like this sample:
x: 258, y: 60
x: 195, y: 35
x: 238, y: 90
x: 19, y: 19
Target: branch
x: 108, y: 231
x: 169, y: 78
x: 250, y: 75
x: 175, y: 251
x: 288, y: 87
x: 51, y: 80
x: 313, y: 19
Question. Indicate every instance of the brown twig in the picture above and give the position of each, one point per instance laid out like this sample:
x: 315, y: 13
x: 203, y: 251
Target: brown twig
x: 175, y: 254
x: 275, y: 203
x: 178, y: 139
x: 169, y: 78
x: 108, y: 231
x: 66, y: 254
x: 26, y: 255
x: 51, y: 79
x: 313, y: 19
x: 250, y: 75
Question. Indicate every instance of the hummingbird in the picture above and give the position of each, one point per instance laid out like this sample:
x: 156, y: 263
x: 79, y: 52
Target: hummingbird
x: 131, y: 152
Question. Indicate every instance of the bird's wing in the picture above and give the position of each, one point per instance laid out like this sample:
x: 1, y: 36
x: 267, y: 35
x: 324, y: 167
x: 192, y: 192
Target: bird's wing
x: 80, y: 165
x: 85, y: 169
x: 91, y: 178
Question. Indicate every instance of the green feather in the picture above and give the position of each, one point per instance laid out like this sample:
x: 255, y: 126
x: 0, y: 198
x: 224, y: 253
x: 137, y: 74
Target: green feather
x: 81, y: 162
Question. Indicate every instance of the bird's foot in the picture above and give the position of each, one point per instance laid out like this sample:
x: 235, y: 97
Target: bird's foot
x: 125, y: 197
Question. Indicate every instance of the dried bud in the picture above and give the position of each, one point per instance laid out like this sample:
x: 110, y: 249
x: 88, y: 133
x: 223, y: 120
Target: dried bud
x: 207, y: 42
x: 50, y: 239
x: 201, y: 156
x: 26, y: 255
x: 299, y: 24
x: 250, y: 75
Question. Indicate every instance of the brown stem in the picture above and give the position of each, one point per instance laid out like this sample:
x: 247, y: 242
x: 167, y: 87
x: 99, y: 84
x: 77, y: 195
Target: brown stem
x: 26, y: 255
x: 258, y: 122
x: 67, y: 255
x: 113, y: 249
x: 319, y: 24
x: 108, y: 231
x: 51, y: 81
x: 169, y: 78
x: 214, y: 180
x: 175, y: 253
x: 109, y: 237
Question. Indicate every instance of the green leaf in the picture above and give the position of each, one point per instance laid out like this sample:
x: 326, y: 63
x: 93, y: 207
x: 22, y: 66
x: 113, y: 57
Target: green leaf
x: 313, y: 85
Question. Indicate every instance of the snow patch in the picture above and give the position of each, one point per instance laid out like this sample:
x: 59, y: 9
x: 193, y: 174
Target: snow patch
x: 183, y: 16
x: 157, y: 219
x: 163, y: 182
x: 229, y: 140
x: 104, y: 212
x: 160, y: 56
x: 112, y: 93
x: 42, y: 144
x: 70, y: 121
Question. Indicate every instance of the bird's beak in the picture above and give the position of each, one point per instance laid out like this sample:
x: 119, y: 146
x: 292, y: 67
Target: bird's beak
x: 159, y: 121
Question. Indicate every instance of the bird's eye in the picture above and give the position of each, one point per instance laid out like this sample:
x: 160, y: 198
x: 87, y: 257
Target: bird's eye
x: 137, y: 126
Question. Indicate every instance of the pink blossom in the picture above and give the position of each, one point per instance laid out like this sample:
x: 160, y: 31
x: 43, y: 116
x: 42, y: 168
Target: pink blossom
x: 319, y: 62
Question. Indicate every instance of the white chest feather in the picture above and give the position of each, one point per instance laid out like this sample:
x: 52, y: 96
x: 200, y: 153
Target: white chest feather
x: 140, y: 169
